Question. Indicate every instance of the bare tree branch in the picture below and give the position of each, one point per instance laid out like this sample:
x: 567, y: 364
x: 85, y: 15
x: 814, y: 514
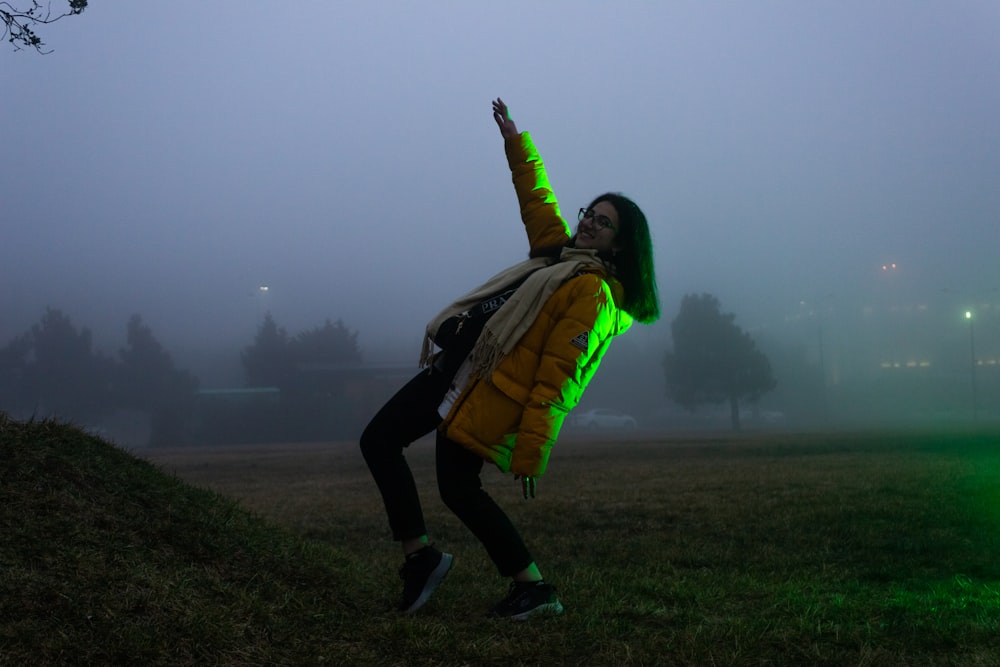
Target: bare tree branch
x: 19, y: 23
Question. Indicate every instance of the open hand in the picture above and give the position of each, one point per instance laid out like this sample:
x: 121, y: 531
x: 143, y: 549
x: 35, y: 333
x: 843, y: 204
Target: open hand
x: 501, y: 114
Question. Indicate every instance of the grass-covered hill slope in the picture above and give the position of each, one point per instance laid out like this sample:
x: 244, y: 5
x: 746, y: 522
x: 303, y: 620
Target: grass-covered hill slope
x: 105, y: 559
x: 784, y: 550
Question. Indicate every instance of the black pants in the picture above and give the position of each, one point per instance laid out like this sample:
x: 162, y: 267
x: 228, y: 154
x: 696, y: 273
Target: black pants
x: 408, y: 415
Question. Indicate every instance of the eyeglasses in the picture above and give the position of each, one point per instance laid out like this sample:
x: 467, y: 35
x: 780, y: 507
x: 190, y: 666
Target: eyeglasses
x: 602, y: 221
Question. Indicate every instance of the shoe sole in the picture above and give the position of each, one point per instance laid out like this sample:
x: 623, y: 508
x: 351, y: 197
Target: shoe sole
x: 433, y: 581
x: 552, y: 608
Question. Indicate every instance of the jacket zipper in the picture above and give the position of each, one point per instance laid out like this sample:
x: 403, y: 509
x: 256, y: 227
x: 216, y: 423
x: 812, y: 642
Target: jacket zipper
x: 462, y: 398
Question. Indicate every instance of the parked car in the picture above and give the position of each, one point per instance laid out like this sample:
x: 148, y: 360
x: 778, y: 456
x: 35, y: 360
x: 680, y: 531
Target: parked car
x: 604, y: 418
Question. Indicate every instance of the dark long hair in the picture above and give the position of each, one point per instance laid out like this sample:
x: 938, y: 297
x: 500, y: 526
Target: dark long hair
x: 634, y: 260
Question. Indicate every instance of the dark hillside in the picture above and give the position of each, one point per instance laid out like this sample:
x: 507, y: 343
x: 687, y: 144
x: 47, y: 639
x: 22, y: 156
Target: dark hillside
x: 831, y: 549
x: 104, y: 559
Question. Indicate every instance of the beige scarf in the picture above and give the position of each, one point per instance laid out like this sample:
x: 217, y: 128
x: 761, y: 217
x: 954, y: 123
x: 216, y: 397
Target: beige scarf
x: 544, y: 275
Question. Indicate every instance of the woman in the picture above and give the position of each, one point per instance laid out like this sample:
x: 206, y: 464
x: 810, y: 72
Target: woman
x: 515, y: 356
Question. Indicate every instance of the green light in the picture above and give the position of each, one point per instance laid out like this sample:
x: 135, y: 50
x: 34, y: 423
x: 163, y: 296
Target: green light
x: 968, y: 314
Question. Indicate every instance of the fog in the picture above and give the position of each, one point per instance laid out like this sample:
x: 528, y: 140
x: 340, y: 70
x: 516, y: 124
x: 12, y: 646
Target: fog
x: 169, y: 159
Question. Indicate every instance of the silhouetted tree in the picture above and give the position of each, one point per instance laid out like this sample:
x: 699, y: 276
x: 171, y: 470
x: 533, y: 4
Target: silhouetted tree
x: 332, y: 343
x: 267, y: 363
x: 275, y: 359
x: 149, y: 381
x: 313, y: 371
x: 20, y: 19
x: 322, y: 359
x: 56, y: 372
x: 14, y: 361
x: 713, y: 360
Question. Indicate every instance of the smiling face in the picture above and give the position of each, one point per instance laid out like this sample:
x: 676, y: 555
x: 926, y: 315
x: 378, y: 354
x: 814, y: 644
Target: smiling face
x: 599, y: 230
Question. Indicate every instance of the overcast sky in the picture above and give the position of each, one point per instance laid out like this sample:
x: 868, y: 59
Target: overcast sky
x: 168, y: 158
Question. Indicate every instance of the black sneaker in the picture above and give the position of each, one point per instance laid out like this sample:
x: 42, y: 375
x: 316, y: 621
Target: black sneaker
x: 422, y: 572
x: 527, y: 598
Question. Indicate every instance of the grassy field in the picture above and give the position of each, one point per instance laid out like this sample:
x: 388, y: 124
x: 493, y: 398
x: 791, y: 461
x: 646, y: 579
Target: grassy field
x: 815, y: 549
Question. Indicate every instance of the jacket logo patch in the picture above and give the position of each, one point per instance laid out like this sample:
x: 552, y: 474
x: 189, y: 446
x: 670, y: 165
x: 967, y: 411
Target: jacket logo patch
x: 582, y: 341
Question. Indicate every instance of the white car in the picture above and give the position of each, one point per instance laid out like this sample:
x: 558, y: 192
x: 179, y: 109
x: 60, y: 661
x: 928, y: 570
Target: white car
x: 603, y: 418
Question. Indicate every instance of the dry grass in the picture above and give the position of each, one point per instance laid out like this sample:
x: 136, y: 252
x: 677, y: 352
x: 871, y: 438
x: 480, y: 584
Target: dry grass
x: 792, y: 549
x: 822, y: 549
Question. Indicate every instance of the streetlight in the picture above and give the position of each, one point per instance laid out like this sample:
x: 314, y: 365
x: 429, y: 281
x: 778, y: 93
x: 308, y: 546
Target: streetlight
x: 972, y: 365
x: 817, y: 307
x: 261, y: 291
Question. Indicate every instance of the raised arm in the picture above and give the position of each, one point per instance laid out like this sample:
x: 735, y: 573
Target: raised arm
x: 543, y: 223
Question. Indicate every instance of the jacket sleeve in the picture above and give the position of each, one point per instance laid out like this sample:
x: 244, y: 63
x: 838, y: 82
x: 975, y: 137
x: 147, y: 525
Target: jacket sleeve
x: 539, y: 209
x: 580, y: 335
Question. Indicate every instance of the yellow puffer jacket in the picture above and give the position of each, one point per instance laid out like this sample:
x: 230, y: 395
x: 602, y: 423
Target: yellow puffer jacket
x: 514, y: 419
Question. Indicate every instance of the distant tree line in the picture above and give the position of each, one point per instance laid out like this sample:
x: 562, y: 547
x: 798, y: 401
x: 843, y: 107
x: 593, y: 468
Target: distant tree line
x: 308, y: 386
x: 54, y: 370
x: 298, y: 388
x: 277, y: 359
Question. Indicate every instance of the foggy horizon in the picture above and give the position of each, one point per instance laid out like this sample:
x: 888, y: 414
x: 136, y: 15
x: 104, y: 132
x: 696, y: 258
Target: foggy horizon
x: 170, y: 160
